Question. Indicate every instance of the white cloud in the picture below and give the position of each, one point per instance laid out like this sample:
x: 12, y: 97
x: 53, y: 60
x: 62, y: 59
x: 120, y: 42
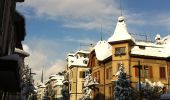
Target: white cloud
x: 43, y: 53
x: 87, y: 14
x: 81, y: 41
x: 58, y: 66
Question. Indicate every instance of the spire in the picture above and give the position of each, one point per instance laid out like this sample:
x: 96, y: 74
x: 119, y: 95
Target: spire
x: 121, y: 33
x: 121, y: 9
x: 42, y: 76
x: 101, y: 33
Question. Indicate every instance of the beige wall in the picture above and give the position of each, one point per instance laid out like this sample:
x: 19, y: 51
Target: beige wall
x: 75, y: 78
x: 156, y: 64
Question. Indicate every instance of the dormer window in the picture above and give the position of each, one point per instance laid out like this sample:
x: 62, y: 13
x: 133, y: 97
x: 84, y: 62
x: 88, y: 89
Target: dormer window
x: 142, y: 47
x: 77, y: 57
x: 85, y: 61
x: 120, y: 51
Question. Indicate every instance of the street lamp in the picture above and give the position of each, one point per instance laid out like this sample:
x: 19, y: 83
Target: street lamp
x: 139, y: 67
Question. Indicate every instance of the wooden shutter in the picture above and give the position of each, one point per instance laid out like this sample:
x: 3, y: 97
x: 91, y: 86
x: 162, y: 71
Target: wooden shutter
x: 107, y: 73
x: 110, y: 73
x: 150, y: 72
x: 162, y: 72
x: 136, y: 72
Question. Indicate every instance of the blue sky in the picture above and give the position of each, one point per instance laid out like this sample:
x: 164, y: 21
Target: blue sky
x: 57, y: 27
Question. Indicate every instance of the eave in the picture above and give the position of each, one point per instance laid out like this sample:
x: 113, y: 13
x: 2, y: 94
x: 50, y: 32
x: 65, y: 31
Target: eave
x: 148, y: 57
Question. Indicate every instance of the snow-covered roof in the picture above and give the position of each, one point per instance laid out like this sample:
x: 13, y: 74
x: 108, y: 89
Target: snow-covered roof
x: 80, y: 58
x: 82, y: 51
x: 103, y: 50
x: 57, y: 78
x: 70, y: 59
x: 80, y: 61
x: 148, y: 51
x: 153, y: 49
x: 41, y: 85
x: 121, y: 33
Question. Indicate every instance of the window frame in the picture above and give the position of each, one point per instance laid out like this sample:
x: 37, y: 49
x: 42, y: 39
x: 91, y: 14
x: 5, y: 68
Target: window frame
x: 162, y: 75
x: 119, y: 51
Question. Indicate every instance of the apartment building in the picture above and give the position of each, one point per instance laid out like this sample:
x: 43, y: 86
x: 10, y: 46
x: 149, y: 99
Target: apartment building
x: 122, y: 48
x: 77, y: 68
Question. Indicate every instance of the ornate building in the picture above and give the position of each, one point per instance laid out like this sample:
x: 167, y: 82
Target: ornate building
x: 122, y: 48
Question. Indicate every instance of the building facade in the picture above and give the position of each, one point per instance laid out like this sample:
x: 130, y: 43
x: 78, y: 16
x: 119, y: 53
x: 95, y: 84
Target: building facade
x: 54, y: 87
x: 12, y: 32
x: 122, y: 48
x: 77, y: 68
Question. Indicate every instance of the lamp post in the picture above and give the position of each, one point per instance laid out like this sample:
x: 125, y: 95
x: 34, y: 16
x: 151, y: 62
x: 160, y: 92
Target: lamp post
x: 139, y: 67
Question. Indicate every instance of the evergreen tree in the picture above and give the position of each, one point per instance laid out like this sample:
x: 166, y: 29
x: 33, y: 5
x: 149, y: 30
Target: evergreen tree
x: 122, y: 89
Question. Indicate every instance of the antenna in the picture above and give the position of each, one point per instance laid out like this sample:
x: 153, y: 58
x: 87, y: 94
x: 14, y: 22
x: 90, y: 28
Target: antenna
x: 120, y: 8
x: 101, y: 33
x: 42, y: 75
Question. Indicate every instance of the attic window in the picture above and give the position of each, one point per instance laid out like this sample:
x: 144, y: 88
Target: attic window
x: 85, y: 61
x: 120, y: 51
x: 142, y: 47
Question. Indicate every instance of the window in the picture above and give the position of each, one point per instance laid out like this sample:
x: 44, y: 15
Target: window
x: 82, y: 74
x: 93, y: 62
x: 85, y: 55
x: 162, y: 72
x: 109, y: 73
x: 145, y: 72
x: 98, y: 76
x: 118, y: 65
x: 85, y: 61
x: 120, y: 51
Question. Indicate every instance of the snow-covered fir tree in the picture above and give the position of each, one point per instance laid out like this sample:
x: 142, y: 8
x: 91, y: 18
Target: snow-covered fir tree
x: 89, y: 84
x: 151, y: 91
x: 122, y: 88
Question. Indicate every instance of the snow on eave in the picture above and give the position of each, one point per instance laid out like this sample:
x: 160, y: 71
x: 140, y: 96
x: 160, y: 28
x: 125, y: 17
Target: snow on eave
x: 22, y: 52
x: 149, y: 51
x: 148, y: 44
x: 82, y: 51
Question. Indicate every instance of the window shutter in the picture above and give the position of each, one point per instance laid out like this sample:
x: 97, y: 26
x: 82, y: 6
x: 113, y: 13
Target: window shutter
x: 162, y: 72
x: 107, y: 73
x: 150, y: 71
x: 84, y: 74
x: 136, y: 72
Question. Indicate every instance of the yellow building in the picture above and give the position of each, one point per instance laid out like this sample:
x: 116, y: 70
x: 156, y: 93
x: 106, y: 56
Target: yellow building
x: 54, y: 87
x: 122, y: 48
x: 41, y: 91
x: 77, y: 68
